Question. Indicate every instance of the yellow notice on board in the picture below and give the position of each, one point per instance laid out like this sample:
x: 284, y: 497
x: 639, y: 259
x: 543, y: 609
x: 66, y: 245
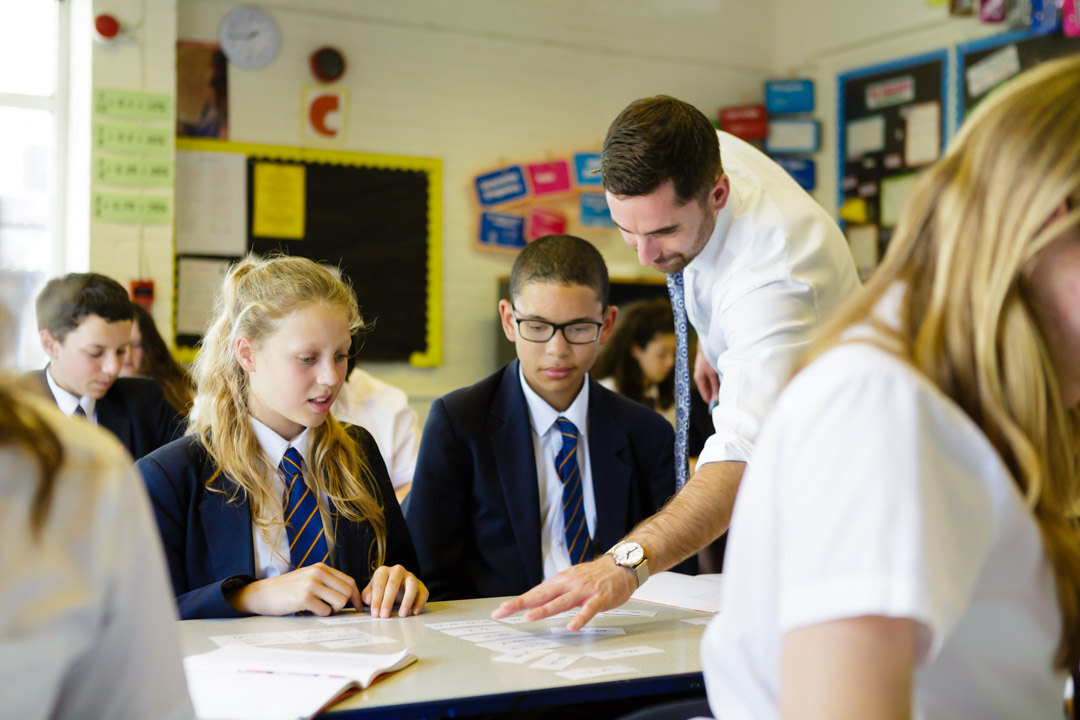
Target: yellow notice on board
x: 278, y: 202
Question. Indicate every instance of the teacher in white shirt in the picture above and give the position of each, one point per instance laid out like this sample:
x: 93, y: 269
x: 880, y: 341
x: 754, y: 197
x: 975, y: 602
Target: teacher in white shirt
x: 762, y: 266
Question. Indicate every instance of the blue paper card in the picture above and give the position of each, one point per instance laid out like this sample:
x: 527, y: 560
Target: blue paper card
x: 804, y: 171
x: 501, y: 186
x: 502, y: 230
x: 594, y: 211
x: 586, y: 167
x: 789, y: 96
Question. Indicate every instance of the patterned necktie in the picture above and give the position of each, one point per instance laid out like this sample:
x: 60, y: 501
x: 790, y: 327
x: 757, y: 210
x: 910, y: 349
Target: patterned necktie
x: 578, y: 542
x: 682, y: 377
x: 79, y: 412
x: 303, y: 525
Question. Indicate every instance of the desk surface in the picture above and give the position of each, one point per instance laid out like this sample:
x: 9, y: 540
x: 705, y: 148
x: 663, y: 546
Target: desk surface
x: 454, y: 676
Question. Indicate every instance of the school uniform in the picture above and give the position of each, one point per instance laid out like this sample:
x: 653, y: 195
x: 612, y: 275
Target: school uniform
x: 133, y: 409
x: 86, y: 618
x: 212, y: 546
x: 486, y: 515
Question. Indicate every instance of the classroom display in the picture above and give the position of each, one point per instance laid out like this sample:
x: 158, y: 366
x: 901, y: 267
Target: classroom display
x: 890, y: 124
x: 374, y: 217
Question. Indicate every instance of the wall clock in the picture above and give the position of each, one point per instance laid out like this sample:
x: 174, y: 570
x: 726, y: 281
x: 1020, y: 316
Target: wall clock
x: 249, y: 38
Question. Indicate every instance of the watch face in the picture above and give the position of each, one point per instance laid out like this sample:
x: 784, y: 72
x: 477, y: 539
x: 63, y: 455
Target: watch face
x: 249, y: 38
x: 629, y: 554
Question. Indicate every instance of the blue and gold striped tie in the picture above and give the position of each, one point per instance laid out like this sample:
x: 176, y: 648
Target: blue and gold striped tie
x: 578, y: 542
x: 303, y: 524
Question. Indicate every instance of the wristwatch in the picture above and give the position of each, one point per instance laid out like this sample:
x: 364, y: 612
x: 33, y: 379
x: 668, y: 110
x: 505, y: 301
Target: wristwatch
x: 631, y: 555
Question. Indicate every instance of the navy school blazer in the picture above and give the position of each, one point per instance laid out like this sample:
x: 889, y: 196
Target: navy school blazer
x: 208, y: 540
x: 474, y: 506
x: 135, y: 410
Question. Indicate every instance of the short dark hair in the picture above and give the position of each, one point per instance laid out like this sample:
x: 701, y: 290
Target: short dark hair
x: 562, y: 260
x: 658, y: 139
x: 65, y: 301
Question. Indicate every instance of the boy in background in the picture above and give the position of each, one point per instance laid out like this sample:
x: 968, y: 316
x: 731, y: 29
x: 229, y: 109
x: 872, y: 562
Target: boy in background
x: 537, y: 467
x: 84, y: 321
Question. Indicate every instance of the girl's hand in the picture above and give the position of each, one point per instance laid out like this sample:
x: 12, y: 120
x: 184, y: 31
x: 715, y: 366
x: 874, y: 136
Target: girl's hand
x: 318, y: 589
x: 394, y: 584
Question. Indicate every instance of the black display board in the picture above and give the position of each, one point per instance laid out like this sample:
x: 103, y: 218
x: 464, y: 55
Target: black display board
x: 882, y: 97
x: 984, y: 64
x: 372, y: 223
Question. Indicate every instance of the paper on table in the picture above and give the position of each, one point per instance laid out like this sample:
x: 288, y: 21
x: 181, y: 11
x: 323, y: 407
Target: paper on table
x: 348, y: 618
x: 692, y: 592
x: 457, y: 624
x: 697, y: 620
x: 556, y: 661
x: 324, y: 634
x: 595, y: 672
x: 508, y: 646
x: 472, y: 629
x: 501, y: 634
x: 519, y: 657
x: 629, y: 612
x: 589, y: 631
x: 624, y: 652
x: 359, y: 641
x: 265, y: 638
x: 240, y: 681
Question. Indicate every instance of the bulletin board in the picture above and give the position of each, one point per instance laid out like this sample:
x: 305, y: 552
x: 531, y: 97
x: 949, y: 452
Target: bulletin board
x: 376, y: 218
x: 984, y: 64
x: 891, y: 123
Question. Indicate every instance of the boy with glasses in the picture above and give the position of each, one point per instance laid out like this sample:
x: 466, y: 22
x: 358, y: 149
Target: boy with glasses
x: 537, y: 467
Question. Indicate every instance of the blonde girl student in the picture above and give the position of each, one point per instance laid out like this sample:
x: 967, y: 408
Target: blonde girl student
x: 269, y: 505
x: 906, y: 542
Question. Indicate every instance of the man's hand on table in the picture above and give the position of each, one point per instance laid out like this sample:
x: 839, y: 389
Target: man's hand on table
x: 593, y: 586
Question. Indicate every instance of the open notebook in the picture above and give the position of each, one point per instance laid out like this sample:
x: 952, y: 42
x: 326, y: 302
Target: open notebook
x: 238, y: 682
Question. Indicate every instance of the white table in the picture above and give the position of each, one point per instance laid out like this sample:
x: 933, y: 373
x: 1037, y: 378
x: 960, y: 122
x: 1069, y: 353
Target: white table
x: 455, y: 677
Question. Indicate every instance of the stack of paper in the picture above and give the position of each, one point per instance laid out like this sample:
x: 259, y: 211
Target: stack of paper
x: 237, y: 682
x: 690, y: 592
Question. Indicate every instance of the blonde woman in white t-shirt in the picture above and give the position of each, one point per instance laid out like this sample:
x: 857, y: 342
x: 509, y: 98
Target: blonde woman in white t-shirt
x: 906, y: 543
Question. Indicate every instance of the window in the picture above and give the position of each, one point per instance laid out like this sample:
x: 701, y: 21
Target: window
x: 32, y: 108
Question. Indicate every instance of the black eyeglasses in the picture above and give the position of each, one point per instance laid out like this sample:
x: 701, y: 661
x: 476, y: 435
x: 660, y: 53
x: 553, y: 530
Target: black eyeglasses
x: 580, y: 332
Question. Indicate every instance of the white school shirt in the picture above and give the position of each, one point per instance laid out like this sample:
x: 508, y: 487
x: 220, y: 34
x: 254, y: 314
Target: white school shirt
x: 86, y: 609
x: 272, y: 555
x: 383, y: 410
x: 547, y: 442
x: 872, y: 493
x: 774, y: 268
x: 68, y: 402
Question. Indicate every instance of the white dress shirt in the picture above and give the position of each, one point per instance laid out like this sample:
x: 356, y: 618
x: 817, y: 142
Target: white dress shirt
x: 774, y: 268
x: 272, y: 552
x: 547, y: 442
x: 86, y: 609
x: 383, y: 410
x: 68, y: 402
x: 873, y: 493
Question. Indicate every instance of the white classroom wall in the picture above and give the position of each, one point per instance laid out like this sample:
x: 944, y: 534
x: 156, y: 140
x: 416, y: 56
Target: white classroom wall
x: 477, y: 83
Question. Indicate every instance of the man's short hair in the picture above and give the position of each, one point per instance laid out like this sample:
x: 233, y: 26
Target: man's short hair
x: 658, y: 139
x: 65, y: 301
x: 561, y: 260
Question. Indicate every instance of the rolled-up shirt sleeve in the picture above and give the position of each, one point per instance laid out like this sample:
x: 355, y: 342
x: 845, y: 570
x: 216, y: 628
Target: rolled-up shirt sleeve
x: 763, y: 331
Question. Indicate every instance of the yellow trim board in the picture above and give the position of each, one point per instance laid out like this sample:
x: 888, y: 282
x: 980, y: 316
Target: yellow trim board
x: 431, y: 167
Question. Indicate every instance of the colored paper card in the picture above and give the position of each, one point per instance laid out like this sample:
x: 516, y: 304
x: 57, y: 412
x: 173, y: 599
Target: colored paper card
x: 748, y: 122
x: 502, y: 230
x: 131, y: 209
x: 864, y: 136
x: 922, y: 133
x: 789, y: 96
x: 134, y: 105
x: 587, y: 170
x: 792, y: 136
x: 992, y: 70
x: 894, y: 91
x: 1070, y: 18
x: 544, y: 221
x: 1045, y: 16
x: 279, y: 200
x: 991, y: 11
x: 501, y: 186
x: 595, y: 211
x: 894, y: 194
x: 549, y: 178
x: 854, y: 211
x: 803, y: 170
x: 133, y: 171
x: 132, y: 139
